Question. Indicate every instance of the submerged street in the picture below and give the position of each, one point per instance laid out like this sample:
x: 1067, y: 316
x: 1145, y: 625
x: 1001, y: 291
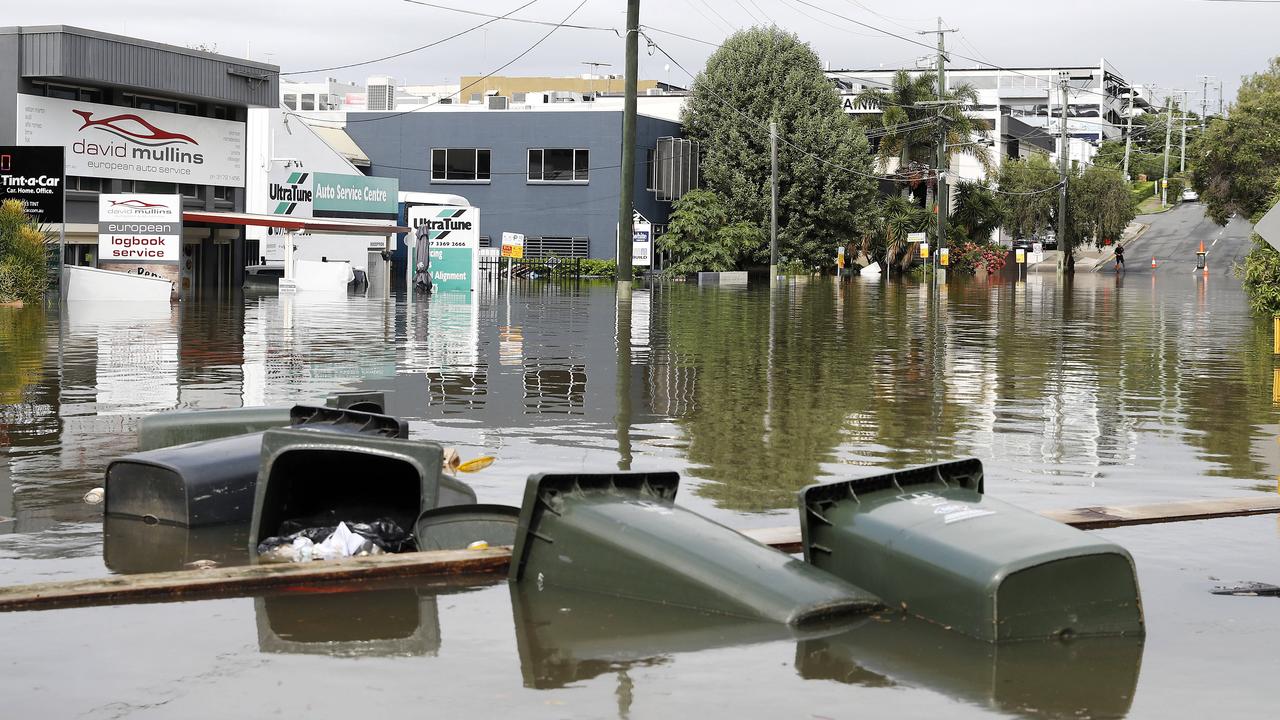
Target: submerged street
x: 1139, y: 388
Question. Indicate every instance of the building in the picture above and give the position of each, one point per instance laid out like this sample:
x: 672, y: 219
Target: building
x: 478, y: 87
x: 1022, y: 107
x: 547, y: 171
x: 105, y: 98
x: 331, y: 94
x: 380, y: 93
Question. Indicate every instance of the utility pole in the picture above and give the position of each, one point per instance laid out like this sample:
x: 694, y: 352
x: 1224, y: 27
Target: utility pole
x: 943, y: 195
x: 1204, y: 98
x: 626, y: 203
x: 1220, y: 98
x: 1064, y: 160
x: 773, y: 202
x: 1128, y: 134
x: 1168, y: 132
x: 1182, y: 153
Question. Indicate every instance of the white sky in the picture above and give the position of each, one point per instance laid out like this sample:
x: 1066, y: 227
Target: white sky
x: 1167, y: 42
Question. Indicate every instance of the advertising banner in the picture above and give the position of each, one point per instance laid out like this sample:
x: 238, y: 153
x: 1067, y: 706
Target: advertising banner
x: 142, y: 229
x: 117, y: 142
x: 289, y: 189
x: 454, y: 236
x: 354, y: 196
x: 513, y: 245
x: 641, y: 244
x: 33, y: 176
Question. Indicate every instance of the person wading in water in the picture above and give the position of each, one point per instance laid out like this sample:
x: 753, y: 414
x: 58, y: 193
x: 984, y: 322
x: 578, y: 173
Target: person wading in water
x: 1119, y: 257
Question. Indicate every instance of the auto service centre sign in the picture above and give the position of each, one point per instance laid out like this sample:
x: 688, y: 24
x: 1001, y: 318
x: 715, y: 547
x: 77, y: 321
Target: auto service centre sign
x: 117, y: 142
x: 139, y: 228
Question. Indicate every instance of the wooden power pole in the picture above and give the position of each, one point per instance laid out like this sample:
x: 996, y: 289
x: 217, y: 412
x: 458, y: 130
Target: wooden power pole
x: 626, y: 204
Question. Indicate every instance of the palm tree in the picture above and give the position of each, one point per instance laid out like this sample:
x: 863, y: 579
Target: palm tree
x: 885, y: 239
x: 908, y: 129
x: 977, y: 212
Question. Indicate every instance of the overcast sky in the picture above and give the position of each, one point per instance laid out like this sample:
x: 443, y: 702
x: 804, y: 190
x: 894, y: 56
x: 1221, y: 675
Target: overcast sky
x: 1166, y: 42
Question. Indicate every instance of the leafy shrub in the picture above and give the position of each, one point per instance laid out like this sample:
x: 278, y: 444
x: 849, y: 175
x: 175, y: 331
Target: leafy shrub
x: 1176, y: 186
x: 1143, y: 190
x: 24, y: 256
x: 968, y: 257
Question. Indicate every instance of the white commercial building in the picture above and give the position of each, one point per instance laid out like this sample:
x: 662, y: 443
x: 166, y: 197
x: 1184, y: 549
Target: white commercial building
x: 1022, y: 106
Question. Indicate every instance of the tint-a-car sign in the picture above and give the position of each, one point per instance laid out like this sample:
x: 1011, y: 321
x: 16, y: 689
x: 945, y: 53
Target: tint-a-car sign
x: 33, y: 176
x: 119, y: 142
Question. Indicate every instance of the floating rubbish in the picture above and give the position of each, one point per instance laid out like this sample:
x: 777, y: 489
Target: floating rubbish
x: 204, y: 564
x: 1248, y: 589
x: 304, y: 544
x: 463, y: 526
x: 478, y: 545
x: 476, y: 465
x: 95, y: 496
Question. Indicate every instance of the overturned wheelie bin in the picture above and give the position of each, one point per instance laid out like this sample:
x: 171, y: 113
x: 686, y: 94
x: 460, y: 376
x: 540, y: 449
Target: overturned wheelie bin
x: 178, y: 427
x: 316, y: 481
x: 621, y: 534
x: 211, y: 482
x: 928, y: 540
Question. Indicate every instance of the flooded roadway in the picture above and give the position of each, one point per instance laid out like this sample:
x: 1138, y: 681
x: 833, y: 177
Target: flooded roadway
x: 1146, y: 387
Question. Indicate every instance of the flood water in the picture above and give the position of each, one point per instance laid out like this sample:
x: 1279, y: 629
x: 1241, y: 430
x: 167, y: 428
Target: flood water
x: 1105, y: 392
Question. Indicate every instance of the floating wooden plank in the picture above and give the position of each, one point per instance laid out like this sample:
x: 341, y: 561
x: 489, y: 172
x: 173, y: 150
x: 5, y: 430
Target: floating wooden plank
x: 237, y: 581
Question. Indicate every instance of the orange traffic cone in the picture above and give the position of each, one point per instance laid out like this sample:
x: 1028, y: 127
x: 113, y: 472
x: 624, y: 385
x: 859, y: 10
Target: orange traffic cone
x: 1153, y: 262
x: 1202, y: 246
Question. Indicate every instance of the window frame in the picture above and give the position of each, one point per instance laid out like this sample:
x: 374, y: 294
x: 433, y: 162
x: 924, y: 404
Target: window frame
x: 574, y: 172
x: 446, y: 180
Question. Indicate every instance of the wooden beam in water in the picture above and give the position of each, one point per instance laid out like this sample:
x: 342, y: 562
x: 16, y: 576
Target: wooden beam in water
x: 237, y: 581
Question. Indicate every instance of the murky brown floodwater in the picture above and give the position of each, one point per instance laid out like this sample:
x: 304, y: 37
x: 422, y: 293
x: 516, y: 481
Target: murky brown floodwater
x: 1143, y: 389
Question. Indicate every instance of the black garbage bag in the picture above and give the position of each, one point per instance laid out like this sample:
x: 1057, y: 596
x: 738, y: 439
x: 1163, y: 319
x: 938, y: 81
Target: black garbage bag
x: 383, y: 533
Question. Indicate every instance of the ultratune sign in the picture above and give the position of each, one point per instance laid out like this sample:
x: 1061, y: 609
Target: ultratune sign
x: 143, y: 229
x: 354, y: 196
x: 454, y: 237
x: 33, y: 176
x: 118, y: 142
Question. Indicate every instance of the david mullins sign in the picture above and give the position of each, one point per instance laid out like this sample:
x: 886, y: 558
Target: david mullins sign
x: 139, y: 229
x: 33, y: 176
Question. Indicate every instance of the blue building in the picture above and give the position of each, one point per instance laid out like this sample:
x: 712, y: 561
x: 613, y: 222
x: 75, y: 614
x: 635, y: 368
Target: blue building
x: 550, y: 174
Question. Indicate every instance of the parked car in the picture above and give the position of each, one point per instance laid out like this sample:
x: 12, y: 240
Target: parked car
x: 1190, y: 195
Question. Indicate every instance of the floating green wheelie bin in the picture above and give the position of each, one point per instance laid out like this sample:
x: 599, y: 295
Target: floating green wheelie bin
x: 621, y: 534
x: 928, y: 540
x: 178, y: 427
x: 211, y: 482
x: 318, y: 479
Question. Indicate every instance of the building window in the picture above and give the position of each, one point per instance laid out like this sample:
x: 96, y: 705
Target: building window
x: 309, y: 101
x: 460, y: 165
x: 291, y: 101
x: 558, y: 165
x: 650, y: 159
x: 160, y: 188
x: 70, y: 92
x: 84, y: 184
x: 222, y: 112
x: 222, y: 192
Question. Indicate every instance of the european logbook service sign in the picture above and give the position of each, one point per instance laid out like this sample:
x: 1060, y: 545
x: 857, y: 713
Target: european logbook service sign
x: 118, y: 142
x: 33, y: 177
x: 143, y: 229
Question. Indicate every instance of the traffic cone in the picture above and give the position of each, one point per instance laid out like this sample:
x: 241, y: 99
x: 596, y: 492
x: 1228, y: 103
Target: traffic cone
x: 1201, y: 246
x: 1153, y: 262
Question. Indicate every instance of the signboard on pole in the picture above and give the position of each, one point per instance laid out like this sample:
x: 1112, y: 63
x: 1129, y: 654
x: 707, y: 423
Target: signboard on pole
x: 116, y: 142
x: 1020, y: 256
x: 641, y: 244
x: 354, y: 196
x: 453, y: 233
x: 840, y: 258
x: 141, y: 229
x: 33, y: 176
x: 512, y: 245
x: 1269, y: 227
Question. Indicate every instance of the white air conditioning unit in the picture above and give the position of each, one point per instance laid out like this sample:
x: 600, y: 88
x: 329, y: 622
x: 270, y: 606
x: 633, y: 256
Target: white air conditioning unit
x: 498, y: 102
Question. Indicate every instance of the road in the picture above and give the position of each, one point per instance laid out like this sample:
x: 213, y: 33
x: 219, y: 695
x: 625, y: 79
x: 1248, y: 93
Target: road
x: 1175, y: 236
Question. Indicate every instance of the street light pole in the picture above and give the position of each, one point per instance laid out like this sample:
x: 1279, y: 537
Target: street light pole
x: 1064, y: 246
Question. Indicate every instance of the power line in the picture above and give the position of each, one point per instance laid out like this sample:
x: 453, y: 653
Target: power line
x: 475, y: 82
x: 545, y: 23
x: 493, y: 18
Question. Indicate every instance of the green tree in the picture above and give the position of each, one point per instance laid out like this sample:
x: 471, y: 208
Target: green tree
x: 977, y: 212
x: 1260, y: 271
x: 910, y: 127
x: 884, y: 239
x: 24, y: 256
x: 826, y: 187
x: 1099, y: 206
x: 1029, y: 205
x: 701, y: 238
x: 1237, y: 161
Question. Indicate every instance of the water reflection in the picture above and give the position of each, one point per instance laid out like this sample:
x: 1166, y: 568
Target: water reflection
x: 565, y: 636
x: 131, y: 545
x: 1089, y: 677
x: 388, y: 621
